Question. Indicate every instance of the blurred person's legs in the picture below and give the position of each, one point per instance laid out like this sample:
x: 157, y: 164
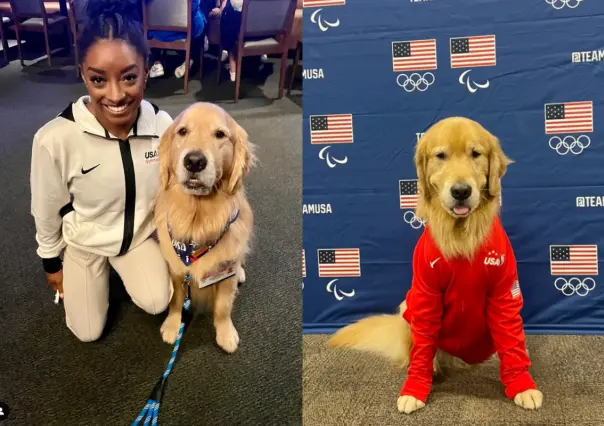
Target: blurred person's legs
x: 196, y: 45
x: 157, y: 68
x: 198, y: 38
x: 230, y: 24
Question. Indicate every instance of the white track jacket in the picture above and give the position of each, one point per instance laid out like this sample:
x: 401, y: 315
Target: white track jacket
x: 90, y: 189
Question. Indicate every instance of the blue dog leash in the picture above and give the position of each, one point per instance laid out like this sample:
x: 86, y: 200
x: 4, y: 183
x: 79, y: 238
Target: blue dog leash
x: 188, y: 252
x: 151, y: 410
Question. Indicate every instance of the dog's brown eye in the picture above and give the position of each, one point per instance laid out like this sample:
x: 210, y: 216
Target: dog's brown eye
x: 182, y: 131
x: 220, y: 134
x: 475, y: 154
x: 441, y: 155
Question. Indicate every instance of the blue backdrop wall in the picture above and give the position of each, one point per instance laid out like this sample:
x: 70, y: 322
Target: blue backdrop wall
x: 378, y: 73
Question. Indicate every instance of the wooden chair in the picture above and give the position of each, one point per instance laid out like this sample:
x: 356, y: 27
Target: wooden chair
x: 5, y: 14
x: 4, y: 20
x: 31, y: 15
x: 296, y: 42
x: 294, y: 67
x: 54, y: 6
x: 75, y: 9
x: 172, y: 15
x: 269, y: 23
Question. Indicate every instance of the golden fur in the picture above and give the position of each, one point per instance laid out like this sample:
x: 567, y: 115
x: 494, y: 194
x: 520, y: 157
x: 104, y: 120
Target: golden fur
x: 211, y: 130
x: 458, y: 137
x: 453, y: 150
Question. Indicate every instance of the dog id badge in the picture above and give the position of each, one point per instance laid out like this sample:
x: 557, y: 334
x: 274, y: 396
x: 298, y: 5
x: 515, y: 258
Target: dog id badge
x: 223, y: 274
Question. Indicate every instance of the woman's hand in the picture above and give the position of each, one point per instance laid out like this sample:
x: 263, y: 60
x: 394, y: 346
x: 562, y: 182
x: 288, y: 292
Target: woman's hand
x: 56, y: 282
x: 215, y: 12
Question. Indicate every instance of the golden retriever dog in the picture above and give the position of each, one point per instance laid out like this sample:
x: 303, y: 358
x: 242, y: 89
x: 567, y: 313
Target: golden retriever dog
x: 459, y: 167
x: 204, y: 221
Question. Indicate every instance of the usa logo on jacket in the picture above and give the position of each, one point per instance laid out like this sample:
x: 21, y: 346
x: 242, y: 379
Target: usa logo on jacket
x: 152, y: 156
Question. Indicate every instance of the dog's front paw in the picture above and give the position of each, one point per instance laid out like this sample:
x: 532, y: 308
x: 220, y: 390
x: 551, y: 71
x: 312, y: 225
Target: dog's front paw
x: 227, y: 337
x: 169, y: 329
x: 241, y: 275
x: 531, y: 399
x: 408, y: 404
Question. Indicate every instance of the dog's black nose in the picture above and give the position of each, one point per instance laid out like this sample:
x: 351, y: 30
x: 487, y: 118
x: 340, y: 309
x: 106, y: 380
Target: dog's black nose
x: 461, y: 192
x: 195, y: 161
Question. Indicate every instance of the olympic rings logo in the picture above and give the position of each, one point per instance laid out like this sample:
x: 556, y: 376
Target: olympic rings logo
x: 575, y: 286
x: 569, y: 144
x: 414, y: 221
x: 560, y: 4
x: 416, y: 81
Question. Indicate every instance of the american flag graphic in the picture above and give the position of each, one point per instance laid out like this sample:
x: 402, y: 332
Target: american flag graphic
x: 323, y: 3
x: 342, y: 262
x: 569, y: 117
x: 408, y: 193
x: 515, y: 289
x: 574, y: 260
x: 415, y: 55
x: 475, y: 51
x: 335, y: 128
x: 303, y: 263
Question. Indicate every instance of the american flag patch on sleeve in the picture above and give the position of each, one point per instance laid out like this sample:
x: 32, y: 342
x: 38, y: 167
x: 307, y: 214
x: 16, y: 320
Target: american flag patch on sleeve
x: 515, y: 289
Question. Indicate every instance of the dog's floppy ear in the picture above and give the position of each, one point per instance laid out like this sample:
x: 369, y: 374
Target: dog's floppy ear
x: 421, y: 162
x: 244, y: 157
x: 165, y: 162
x: 498, y: 164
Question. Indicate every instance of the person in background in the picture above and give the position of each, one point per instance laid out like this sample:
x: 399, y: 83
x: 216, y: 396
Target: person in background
x: 199, y: 21
x: 230, y: 25
x: 94, y: 177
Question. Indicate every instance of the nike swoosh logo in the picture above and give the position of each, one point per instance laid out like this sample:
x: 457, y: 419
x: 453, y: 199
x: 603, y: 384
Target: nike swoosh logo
x: 89, y: 170
x: 433, y: 262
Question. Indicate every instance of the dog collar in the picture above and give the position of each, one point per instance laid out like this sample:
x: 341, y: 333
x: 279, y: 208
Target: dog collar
x: 190, y: 251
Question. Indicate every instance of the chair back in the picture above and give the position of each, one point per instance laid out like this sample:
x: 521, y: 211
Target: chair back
x: 78, y: 8
x: 267, y: 18
x: 167, y: 15
x: 28, y: 8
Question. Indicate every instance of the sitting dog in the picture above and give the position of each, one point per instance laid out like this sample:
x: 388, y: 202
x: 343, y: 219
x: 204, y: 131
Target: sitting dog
x: 204, y: 221
x: 465, y: 300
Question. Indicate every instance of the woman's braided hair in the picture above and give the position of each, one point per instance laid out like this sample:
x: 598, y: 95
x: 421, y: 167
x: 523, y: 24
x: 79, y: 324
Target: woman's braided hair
x: 114, y: 20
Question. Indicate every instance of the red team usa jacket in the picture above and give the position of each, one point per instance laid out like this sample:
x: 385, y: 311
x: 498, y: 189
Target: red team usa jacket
x: 469, y: 309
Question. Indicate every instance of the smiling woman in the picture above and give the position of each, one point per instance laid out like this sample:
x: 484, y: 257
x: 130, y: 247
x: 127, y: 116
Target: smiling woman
x: 95, y: 175
x: 114, y: 77
x: 114, y: 52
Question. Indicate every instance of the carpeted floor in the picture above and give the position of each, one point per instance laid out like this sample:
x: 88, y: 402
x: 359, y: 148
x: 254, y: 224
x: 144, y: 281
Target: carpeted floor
x: 47, y: 377
x: 343, y: 387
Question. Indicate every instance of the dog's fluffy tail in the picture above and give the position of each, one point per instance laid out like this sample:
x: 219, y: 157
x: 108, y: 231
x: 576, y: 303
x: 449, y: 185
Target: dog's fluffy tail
x: 385, y: 335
